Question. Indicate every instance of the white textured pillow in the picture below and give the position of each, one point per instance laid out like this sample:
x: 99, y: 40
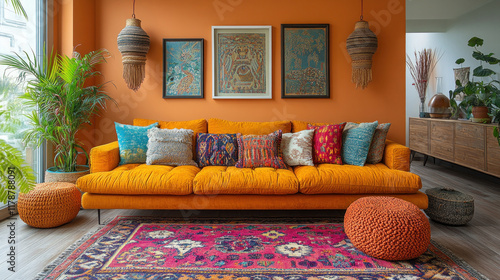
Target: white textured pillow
x: 297, y: 148
x: 170, y: 147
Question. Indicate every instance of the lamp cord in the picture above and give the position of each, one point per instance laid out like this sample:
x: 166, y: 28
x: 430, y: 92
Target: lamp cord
x: 133, y: 10
x: 361, y: 17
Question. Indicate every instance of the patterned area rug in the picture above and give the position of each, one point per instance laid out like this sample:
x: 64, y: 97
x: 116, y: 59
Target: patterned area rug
x: 160, y: 248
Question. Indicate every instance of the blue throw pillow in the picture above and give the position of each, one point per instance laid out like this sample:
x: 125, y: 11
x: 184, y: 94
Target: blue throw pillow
x: 132, y: 142
x: 357, y: 139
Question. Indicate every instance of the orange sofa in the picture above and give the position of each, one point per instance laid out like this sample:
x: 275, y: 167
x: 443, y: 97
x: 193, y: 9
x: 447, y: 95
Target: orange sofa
x: 324, y: 186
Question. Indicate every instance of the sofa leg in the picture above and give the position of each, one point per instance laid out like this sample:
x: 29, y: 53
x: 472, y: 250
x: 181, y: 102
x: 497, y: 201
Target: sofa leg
x: 99, y: 216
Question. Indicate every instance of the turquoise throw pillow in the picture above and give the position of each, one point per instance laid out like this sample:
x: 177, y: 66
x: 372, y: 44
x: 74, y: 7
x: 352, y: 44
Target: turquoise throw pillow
x: 132, y: 142
x: 357, y: 139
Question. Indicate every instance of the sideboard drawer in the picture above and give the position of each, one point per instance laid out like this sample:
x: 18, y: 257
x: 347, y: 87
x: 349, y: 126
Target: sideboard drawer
x: 419, y: 135
x: 442, y: 140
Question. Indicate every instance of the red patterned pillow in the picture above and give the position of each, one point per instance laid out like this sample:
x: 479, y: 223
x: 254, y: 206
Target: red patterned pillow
x: 260, y: 151
x: 327, y: 143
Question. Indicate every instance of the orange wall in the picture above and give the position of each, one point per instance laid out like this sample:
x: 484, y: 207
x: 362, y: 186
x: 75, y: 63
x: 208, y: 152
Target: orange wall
x: 383, y: 100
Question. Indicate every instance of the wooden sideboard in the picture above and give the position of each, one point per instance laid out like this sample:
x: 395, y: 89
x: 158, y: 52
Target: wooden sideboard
x: 462, y: 142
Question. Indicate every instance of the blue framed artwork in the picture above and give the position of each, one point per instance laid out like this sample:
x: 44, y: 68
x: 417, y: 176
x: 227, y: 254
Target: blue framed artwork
x: 305, y: 61
x: 183, y: 68
x: 242, y: 62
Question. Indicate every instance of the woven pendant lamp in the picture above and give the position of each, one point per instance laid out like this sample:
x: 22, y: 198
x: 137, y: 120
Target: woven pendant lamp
x: 133, y: 43
x: 361, y: 45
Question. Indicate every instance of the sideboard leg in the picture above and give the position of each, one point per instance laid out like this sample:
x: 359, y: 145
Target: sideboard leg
x: 426, y: 157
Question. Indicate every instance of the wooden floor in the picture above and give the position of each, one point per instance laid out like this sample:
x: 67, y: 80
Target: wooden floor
x: 478, y: 243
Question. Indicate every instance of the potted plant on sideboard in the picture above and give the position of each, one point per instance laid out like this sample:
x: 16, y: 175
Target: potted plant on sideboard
x: 482, y: 92
x: 62, y: 104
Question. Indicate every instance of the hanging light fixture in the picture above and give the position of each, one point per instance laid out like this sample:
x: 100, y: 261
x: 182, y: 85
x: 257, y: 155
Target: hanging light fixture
x: 361, y: 45
x: 133, y: 44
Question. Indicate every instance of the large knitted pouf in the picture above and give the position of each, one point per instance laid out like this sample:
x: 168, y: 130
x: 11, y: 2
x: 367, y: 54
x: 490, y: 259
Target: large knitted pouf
x: 387, y: 228
x: 49, y: 204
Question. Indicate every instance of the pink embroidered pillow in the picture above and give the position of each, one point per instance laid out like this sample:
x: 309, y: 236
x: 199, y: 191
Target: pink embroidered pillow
x: 260, y: 151
x: 327, y: 143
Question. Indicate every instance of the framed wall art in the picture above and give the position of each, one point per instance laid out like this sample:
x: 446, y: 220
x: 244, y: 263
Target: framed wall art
x: 241, y: 57
x: 182, y: 68
x: 305, y: 61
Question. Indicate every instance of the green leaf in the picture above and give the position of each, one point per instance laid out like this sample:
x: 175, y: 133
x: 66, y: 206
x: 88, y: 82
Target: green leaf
x: 460, y: 61
x: 18, y: 8
x: 486, y: 58
x: 11, y: 160
x: 475, y: 42
x: 483, y: 72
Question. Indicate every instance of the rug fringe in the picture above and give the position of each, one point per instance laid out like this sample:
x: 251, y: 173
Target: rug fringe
x: 459, y: 261
x: 60, y: 259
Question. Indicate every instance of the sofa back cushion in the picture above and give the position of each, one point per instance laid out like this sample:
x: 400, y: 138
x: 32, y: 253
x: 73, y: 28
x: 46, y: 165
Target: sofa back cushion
x: 302, y: 125
x: 197, y: 126
x: 218, y: 126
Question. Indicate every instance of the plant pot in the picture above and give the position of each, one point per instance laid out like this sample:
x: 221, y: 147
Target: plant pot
x: 52, y: 175
x: 480, y: 114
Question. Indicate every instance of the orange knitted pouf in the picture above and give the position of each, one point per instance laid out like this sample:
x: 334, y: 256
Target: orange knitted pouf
x: 387, y: 228
x: 49, y: 204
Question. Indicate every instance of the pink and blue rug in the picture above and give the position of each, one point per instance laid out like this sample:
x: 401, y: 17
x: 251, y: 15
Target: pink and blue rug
x: 154, y: 248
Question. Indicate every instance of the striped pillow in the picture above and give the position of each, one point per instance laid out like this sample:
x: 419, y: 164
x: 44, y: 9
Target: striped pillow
x: 260, y: 151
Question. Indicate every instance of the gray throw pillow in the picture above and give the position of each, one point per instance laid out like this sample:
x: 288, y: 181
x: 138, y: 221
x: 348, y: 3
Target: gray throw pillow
x: 170, y: 147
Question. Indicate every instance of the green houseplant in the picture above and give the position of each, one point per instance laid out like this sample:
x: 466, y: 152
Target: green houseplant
x: 483, y: 90
x: 482, y: 93
x: 63, y: 101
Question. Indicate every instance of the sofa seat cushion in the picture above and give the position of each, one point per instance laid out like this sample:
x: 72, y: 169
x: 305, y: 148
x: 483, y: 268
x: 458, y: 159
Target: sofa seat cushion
x: 140, y: 179
x: 232, y: 180
x: 350, y: 179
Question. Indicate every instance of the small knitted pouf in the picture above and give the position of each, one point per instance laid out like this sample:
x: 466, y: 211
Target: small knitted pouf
x: 387, y: 228
x: 49, y: 204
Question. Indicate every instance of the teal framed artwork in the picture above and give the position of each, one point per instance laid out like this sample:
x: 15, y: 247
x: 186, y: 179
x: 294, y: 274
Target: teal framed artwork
x: 183, y: 68
x: 242, y: 62
x: 305, y: 61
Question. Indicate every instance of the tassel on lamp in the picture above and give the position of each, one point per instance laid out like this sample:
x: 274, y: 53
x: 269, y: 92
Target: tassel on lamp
x: 133, y: 44
x: 361, y: 45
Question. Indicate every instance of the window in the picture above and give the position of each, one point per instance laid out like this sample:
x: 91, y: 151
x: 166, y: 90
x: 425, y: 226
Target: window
x: 18, y: 35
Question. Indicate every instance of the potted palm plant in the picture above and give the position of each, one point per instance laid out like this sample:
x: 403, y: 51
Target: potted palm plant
x: 63, y: 103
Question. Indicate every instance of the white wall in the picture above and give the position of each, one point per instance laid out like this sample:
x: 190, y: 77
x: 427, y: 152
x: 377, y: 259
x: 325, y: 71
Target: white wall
x: 483, y: 23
